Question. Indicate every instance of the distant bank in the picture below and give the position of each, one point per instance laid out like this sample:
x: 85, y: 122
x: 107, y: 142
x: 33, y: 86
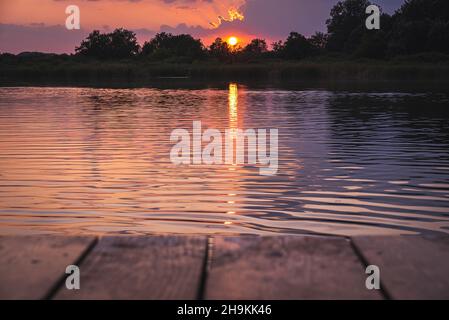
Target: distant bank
x: 35, y: 69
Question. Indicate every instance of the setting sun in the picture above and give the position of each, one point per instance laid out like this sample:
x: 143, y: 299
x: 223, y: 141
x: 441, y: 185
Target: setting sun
x: 232, y: 41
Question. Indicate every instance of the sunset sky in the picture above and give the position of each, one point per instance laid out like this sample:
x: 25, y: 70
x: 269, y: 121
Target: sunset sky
x: 38, y: 25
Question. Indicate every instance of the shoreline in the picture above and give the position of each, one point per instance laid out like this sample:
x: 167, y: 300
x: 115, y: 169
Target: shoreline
x: 286, y: 71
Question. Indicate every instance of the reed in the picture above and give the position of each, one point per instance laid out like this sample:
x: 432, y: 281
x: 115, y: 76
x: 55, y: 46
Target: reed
x: 137, y: 70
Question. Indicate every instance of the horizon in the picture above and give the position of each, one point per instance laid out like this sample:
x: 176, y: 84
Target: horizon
x: 43, y: 30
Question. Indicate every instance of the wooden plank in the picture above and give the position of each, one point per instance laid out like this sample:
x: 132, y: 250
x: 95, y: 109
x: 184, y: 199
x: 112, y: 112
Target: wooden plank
x: 154, y: 267
x: 286, y: 268
x: 411, y: 267
x: 31, y: 265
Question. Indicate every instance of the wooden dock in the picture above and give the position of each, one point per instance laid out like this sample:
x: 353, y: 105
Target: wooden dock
x: 219, y: 267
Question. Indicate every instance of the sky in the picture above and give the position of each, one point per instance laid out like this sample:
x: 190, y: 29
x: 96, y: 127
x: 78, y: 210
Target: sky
x: 39, y: 25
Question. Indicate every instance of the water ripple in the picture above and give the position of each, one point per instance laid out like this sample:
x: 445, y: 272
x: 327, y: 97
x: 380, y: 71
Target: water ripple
x: 86, y: 160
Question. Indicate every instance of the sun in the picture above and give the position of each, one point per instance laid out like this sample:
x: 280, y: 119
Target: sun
x: 232, y: 41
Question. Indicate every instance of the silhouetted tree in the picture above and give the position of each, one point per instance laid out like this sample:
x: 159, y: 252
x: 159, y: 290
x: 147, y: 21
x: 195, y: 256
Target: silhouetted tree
x: 374, y: 43
x: 418, y: 26
x: 438, y: 36
x: 219, y: 49
x: 95, y: 45
x: 121, y: 43
x: 346, y: 25
x: 256, y: 48
x: 319, y: 41
x: 156, y: 43
x: 295, y: 47
x: 277, y: 48
x: 166, y: 45
x: 421, y: 25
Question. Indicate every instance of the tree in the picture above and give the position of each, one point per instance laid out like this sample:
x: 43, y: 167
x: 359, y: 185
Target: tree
x: 425, y: 9
x: 219, y: 49
x: 319, y: 41
x: 121, y: 43
x: 438, y: 36
x: 346, y: 25
x: 373, y: 45
x: 256, y: 48
x: 419, y: 26
x: 277, y: 46
x: 296, y: 47
x: 166, y: 45
x: 96, y: 45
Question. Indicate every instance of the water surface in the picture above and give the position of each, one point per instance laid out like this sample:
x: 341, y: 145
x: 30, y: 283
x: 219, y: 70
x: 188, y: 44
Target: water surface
x: 92, y: 160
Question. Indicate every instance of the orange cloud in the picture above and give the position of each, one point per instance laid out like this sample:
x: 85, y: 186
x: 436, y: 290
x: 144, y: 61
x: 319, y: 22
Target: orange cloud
x: 150, y: 14
x: 233, y: 14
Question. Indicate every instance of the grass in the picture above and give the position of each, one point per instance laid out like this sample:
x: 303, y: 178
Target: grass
x: 330, y: 69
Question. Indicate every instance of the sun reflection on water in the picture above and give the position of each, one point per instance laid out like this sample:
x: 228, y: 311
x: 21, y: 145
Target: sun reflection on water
x: 233, y: 124
x: 233, y: 97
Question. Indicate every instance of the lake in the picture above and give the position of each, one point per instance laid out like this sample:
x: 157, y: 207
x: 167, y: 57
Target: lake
x: 97, y: 161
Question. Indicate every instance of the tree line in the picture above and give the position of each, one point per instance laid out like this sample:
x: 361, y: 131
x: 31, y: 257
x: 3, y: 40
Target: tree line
x: 417, y: 26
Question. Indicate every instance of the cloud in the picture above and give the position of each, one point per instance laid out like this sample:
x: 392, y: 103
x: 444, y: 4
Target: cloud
x: 269, y: 19
x: 274, y: 19
x: 278, y: 18
x: 39, y: 37
x: 51, y: 39
x: 181, y: 28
